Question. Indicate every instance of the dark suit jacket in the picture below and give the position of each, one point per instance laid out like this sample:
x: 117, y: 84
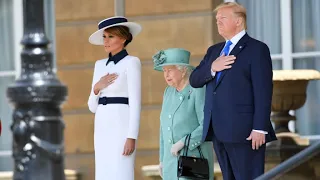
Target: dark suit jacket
x: 241, y: 100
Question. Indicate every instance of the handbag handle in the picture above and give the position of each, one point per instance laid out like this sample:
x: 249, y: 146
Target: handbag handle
x: 187, y: 142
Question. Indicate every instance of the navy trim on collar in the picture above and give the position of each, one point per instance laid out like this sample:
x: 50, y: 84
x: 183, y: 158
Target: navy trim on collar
x: 117, y: 57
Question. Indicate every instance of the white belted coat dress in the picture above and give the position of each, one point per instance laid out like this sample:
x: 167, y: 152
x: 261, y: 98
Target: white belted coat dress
x: 116, y: 121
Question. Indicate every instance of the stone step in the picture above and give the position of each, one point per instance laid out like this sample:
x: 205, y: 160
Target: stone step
x: 151, y: 171
x: 70, y: 175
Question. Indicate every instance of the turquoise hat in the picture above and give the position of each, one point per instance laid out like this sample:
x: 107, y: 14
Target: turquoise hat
x: 172, y: 56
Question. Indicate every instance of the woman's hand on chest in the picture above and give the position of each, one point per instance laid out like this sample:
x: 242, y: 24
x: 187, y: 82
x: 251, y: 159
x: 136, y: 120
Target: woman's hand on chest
x: 104, y: 82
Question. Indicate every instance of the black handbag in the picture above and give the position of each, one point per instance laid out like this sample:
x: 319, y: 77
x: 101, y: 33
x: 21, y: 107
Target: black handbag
x: 192, y: 167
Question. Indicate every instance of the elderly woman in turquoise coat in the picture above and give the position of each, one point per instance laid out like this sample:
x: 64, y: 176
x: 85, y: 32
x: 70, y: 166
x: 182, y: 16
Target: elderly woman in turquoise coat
x: 181, y: 114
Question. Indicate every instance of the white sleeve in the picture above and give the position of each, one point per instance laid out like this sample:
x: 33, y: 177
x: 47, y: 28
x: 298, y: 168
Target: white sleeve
x: 93, y: 99
x: 134, y: 95
x: 213, y: 73
x: 260, y: 131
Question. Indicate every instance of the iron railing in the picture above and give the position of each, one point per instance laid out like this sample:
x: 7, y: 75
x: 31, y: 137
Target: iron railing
x: 292, y: 162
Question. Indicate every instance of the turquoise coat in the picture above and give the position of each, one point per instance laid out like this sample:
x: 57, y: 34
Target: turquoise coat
x: 182, y: 114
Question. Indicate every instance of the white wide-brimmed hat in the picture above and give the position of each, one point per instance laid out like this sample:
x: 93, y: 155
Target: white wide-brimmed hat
x: 97, y: 37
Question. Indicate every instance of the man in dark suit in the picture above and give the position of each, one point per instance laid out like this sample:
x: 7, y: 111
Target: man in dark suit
x: 238, y: 78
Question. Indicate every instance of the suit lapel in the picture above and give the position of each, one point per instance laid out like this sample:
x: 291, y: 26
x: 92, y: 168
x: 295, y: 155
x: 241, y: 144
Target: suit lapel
x: 184, y: 95
x: 217, y: 54
x: 235, y: 51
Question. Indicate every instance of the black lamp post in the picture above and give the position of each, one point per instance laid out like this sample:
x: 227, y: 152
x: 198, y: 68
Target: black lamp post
x: 36, y: 96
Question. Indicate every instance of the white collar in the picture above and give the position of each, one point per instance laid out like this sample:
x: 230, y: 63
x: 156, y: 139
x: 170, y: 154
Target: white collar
x: 235, y: 39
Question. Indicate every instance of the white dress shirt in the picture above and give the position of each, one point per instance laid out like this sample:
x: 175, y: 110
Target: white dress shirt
x: 234, y: 41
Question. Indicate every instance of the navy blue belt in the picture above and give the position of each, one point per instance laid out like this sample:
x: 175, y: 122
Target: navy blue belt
x: 113, y: 100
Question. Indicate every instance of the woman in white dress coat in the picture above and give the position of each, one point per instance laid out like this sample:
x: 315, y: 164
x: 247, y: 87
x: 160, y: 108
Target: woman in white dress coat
x: 115, y: 99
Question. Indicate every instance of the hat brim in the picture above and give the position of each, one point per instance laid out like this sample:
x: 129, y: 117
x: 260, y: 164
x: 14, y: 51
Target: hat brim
x: 96, y: 38
x: 159, y: 67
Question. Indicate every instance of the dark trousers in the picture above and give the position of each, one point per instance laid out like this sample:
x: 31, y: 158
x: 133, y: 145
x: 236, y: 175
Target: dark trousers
x: 238, y: 161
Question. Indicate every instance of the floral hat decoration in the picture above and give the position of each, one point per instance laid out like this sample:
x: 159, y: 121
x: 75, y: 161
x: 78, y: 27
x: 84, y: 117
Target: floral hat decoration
x: 172, y: 56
